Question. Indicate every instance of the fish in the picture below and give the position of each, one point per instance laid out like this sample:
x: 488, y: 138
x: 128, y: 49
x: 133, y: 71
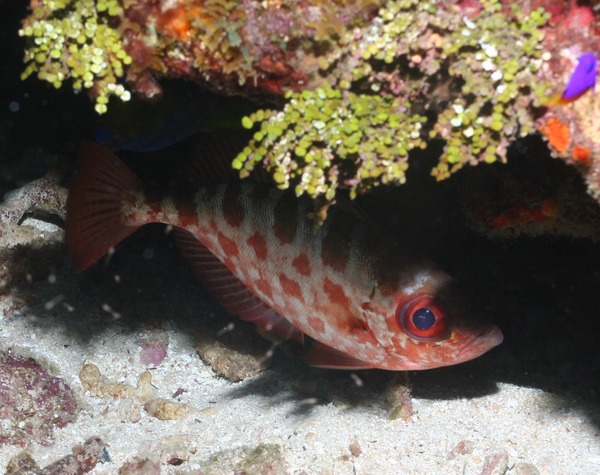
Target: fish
x: 582, y: 79
x: 350, y: 292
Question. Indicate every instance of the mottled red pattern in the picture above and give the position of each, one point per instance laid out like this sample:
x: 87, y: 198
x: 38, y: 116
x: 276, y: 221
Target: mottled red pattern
x: 228, y: 245
x: 233, y: 211
x: 302, y: 264
x: 264, y: 287
x: 259, y: 252
x: 213, y: 225
x: 316, y: 324
x: 285, y: 217
x: 291, y: 287
x: 336, y: 293
x: 335, y: 247
x: 259, y: 244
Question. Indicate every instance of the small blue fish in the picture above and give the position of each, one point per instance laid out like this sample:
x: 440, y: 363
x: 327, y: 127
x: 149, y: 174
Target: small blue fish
x: 582, y: 79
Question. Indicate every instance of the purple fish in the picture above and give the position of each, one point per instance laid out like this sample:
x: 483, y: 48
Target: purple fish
x: 582, y: 79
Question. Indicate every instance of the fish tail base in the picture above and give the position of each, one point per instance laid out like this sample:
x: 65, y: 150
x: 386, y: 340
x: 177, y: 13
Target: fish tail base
x: 94, y: 205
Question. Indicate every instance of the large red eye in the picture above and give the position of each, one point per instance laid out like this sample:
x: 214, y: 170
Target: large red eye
x: 422, y: 319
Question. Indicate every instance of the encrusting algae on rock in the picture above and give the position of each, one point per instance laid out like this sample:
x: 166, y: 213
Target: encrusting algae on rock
x: 351, y: 87
x: 391, y: 80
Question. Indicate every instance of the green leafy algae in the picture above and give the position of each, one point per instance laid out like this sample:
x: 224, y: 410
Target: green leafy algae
x: 73, y: 39
x: 337, y: 137
x: 416, y: 72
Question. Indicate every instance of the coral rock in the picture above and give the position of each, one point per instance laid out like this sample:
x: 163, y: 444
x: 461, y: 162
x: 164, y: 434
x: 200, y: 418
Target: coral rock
x: 32, y: 401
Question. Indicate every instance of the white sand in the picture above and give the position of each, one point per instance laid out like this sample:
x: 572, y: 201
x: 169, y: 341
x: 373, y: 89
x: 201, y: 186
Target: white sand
x: 533, y: 431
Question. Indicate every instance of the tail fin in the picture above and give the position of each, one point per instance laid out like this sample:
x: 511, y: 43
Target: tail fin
x: 94, y: 223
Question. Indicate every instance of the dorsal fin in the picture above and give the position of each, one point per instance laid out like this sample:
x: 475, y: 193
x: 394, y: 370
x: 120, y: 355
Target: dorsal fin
x: 231, y: 293
x: 210, y: 162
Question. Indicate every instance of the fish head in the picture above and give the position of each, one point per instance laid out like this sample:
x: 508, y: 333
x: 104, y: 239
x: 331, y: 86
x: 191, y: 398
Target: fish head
x: 426, y: 323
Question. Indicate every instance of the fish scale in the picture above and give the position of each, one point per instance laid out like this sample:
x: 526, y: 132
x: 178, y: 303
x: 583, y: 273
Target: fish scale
x: 271, y: 261
x: 365, y: 300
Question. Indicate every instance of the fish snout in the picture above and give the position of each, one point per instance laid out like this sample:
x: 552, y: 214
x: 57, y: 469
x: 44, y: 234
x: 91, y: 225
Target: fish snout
x: 490, y: 337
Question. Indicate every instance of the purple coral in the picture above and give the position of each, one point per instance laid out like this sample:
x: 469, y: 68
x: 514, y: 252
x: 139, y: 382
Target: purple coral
x: 583, y: 77
x: 153, y: 351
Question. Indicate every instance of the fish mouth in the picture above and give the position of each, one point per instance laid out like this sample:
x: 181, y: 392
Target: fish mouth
x: 490, y: 337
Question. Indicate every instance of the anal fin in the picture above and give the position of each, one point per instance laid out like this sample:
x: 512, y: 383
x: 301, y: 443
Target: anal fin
x: 231, y: 292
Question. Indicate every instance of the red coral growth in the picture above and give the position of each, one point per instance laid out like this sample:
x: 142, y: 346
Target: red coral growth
x: 558, y: 134
x: 177, y: 22
x: 573, y: 30
x: 581, y: 155
x: 83, y: 459
x: 519, y: 215
x: 32, y: 401
x: 578, y: 16
x: 470, y: 8
x: 565, y: 14
x: 234, y: 47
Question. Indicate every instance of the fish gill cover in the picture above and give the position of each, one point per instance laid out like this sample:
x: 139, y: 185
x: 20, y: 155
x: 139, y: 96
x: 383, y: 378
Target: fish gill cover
x: 351, y: 86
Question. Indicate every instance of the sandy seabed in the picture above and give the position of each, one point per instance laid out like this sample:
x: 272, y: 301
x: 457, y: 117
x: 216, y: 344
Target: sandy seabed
x: 465, y: 419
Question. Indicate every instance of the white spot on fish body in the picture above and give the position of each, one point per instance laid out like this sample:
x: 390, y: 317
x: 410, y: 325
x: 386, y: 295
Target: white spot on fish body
x: 168, y: 212
x: 419, y: 280
x: 378, y: 327
x: 135, y: 210
x: 194, y: 229
x: 252, y: 273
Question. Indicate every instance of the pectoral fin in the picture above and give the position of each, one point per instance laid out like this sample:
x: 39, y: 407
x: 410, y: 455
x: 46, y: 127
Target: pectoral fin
x: 323, y: 356
x: 231, y: 292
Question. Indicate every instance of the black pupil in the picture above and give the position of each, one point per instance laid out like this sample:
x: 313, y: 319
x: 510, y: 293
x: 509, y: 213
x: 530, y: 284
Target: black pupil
x: 423, y: 318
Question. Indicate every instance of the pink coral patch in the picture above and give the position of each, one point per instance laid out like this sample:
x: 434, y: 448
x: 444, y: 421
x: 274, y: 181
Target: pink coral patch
x: 153, y: 352
x: 579, y: 17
